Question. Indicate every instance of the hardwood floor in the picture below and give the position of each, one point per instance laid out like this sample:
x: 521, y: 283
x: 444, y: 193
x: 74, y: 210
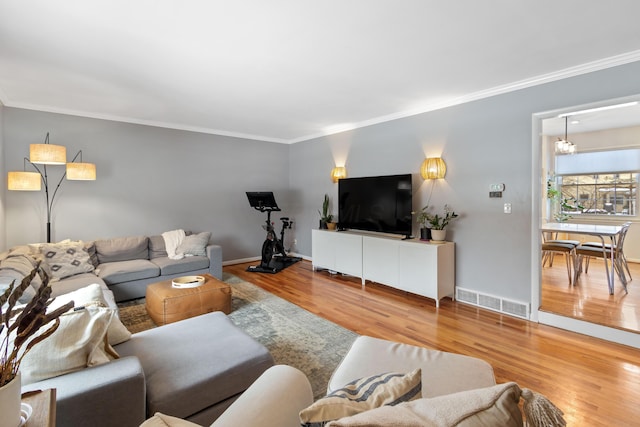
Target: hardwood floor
x: 589, y: 299
x: 595, y: 383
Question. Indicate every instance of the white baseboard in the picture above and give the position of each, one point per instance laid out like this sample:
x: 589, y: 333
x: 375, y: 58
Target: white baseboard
x: 257, y: 258
x: 606, y: 333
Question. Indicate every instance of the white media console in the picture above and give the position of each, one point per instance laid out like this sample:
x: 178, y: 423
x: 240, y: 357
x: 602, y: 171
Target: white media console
x: 422, y: 268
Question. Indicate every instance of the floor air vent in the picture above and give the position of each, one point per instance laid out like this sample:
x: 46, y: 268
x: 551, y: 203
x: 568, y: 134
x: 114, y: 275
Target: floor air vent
x: 491, y: 302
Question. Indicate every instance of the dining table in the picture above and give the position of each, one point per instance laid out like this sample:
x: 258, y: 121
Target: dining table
x: 610, y: 232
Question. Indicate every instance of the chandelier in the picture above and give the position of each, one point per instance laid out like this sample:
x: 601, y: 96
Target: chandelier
x: 564, y: 146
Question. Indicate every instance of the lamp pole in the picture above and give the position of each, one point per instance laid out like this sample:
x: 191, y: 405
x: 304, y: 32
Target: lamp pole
x: 49, y: 201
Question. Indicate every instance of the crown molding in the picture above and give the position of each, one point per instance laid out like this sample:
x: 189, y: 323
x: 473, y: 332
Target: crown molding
x: 589, y: 67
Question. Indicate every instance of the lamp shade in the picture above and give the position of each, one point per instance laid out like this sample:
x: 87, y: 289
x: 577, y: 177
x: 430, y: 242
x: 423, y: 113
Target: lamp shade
x: 81, y: 171
x: 433, y: 168
x: 48, y: 154
x: 24, y: 181
x: 338, y: 173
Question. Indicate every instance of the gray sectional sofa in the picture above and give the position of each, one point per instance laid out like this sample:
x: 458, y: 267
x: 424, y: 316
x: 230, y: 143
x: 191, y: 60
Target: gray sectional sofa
x: 126, y: 265
x: 194, y: 369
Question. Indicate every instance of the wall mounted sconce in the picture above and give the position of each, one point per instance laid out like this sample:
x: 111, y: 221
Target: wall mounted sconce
x: 338, y: 173
x: 433, y: 168
x: 49, y: 154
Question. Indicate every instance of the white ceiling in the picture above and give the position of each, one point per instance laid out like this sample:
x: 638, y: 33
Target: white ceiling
x: 291, y: 70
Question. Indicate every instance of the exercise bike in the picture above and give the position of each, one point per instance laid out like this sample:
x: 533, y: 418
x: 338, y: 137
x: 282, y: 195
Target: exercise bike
x: 273, y: 255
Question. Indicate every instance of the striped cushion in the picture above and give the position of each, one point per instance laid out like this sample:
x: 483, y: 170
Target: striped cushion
x: 362, y: 395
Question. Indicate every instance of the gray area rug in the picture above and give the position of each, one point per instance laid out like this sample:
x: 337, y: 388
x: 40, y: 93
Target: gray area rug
x: 293, y: 335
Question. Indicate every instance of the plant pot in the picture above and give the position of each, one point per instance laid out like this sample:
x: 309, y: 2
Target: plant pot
x: 10, y: 395
x: 425, y: 233
x: 332, y: 225
x: 438, y: 235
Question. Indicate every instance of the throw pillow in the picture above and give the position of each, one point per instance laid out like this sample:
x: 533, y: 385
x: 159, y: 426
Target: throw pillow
x: 490, y: 406
x: 78, y: 342
x: 65, y: 260
x: 362, y: 395
x: 16, y: 267
x: 90, y: 247
x: 93, y: 295
x: 195, y: 244
x: 162, y: 420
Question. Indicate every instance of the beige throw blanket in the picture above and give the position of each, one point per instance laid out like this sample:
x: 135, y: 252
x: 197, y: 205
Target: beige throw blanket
x: 172, y: 241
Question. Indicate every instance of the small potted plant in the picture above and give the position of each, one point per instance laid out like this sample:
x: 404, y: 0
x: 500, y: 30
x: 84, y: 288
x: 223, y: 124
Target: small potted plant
x: 19, y: 326
x: 439, y: 223
x: 423, y: 222
x: 325, y: 216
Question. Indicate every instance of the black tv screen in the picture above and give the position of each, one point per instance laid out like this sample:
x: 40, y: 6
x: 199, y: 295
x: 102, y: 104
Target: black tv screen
x: 380, y: 203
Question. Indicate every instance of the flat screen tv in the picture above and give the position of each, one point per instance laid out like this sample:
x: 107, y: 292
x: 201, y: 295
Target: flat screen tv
x: 379, y: 203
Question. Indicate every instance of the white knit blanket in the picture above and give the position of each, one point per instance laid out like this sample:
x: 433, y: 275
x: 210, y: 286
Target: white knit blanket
x: 172, y: 241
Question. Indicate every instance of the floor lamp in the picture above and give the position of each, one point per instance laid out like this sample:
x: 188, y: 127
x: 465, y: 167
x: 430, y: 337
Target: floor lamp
x: 49, y: 155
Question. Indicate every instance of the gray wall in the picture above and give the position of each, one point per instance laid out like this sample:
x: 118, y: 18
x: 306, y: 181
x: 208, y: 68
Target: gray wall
x: 483, y: 142
x: 150, y: 180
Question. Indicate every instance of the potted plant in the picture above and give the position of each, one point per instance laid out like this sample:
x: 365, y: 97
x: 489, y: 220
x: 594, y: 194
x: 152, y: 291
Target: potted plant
x: 560, y: 204
x: 439, y: 223
x: 423, y: 222
x: 325, y: 216
x: 19, y: 326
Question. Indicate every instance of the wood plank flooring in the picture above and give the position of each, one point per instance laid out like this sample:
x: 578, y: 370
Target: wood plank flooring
x: 596, y: 383
x: 589, y: 299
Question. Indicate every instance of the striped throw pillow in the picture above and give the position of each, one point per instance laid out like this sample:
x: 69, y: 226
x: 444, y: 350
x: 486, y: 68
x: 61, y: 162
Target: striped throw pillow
x: 362, y: 395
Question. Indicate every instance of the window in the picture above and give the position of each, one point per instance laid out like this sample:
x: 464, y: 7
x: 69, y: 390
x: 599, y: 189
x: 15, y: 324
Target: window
x: 599, y: 194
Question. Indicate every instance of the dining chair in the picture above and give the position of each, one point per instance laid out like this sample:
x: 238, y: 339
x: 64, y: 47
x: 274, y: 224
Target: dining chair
x: 604, y: 252
x: 554, y: 246
x: 623, y: 258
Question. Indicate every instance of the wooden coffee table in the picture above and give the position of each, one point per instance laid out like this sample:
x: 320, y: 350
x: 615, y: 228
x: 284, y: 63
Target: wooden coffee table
x: 166, y: 304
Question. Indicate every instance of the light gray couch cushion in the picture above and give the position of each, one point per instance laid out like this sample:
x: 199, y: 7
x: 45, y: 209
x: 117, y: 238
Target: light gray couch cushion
x: 74, y: 283
x: 126, y: 271
x: 176, y: 266
x: 207, y: 361
x: 157, y: 247
x: 122, y: 249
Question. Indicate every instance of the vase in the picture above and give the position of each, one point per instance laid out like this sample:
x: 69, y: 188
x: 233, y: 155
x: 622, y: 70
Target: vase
x: 438, y: 235
x: 425, y: 233
x: 10, y: 395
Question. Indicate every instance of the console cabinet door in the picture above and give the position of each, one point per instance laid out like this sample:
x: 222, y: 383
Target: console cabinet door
x: 348, y: 253
x: 380, y: 260
x: 427, y: 269
x: 337, y: 251
x: 322, y: 252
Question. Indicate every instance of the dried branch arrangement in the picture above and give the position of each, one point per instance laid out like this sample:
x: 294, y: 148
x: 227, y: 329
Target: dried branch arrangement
x: 19, y: 323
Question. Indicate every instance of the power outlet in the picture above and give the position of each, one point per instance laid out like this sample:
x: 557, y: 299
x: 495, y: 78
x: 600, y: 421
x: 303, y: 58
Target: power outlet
x: 507, y: 208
